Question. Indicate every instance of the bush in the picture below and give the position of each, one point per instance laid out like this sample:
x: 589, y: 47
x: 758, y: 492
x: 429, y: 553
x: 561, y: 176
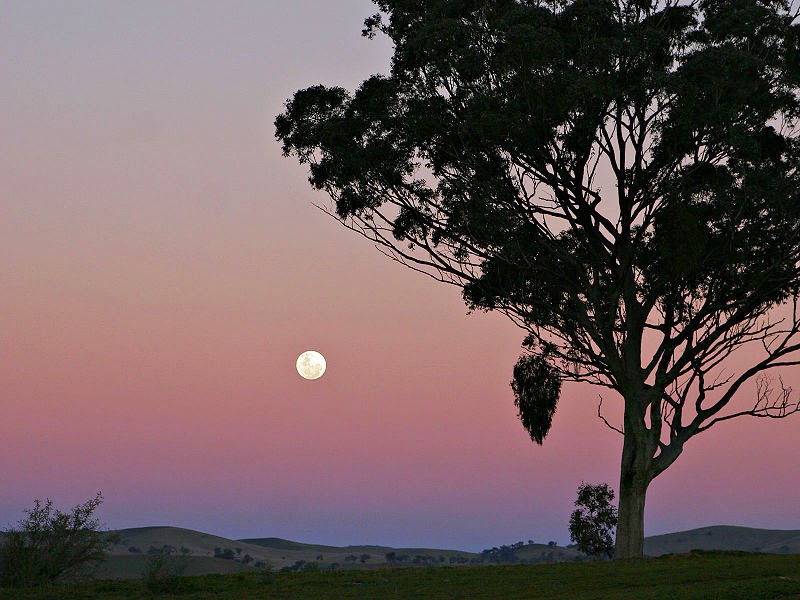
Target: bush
x: 163, y: 571
x: 591, y: 526
x: 50, y: 545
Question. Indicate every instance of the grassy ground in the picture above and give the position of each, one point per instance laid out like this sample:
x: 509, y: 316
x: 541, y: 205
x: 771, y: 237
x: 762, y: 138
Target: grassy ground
x: 700, y: 575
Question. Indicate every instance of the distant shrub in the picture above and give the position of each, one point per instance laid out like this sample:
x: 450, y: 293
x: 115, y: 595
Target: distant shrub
x: 50, y: 545
x: 163, y: 571
x: 134, y: 550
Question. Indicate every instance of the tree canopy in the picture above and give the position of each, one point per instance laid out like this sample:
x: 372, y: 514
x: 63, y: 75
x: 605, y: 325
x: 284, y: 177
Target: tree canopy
x: 619, y: 177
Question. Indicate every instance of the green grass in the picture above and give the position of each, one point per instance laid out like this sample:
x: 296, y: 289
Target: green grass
x: 698, y: 575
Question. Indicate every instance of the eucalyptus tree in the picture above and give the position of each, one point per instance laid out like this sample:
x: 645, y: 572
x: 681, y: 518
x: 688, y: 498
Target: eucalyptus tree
x: 618, y: 177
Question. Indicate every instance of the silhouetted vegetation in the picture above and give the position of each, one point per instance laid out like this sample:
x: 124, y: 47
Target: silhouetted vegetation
x: 621, y: 179
x: 164, y: 569
x: 50, y: 545
x: 591, y: 526
x: 503, y: 554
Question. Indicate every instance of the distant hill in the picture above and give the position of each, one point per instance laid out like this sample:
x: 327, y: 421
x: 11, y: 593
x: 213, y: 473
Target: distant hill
x: 725, y: 537
x: 141, y: 540
x: 223, y: 555
x: 352, y: 556
x: 207, y: 553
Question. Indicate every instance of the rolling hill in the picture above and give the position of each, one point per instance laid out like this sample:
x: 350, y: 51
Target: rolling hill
x: 204, y: 553
x: 725, y: 537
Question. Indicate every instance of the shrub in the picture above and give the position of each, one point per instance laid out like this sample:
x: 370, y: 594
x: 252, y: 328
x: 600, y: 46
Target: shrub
x: 50, y: 545
x: 163, y: 571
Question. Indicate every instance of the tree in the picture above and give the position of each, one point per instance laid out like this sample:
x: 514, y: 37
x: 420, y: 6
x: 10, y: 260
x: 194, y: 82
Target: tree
x: 50, y: 545
x: 618, y: 177
x: 592, y: 524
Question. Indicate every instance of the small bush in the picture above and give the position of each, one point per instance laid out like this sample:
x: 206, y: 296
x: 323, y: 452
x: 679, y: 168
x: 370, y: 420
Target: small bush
x: 163, y: 571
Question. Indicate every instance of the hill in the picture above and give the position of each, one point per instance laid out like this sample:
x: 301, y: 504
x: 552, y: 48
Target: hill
x: 207, y: 553
x: 141, y: 540
x: 725, y: 537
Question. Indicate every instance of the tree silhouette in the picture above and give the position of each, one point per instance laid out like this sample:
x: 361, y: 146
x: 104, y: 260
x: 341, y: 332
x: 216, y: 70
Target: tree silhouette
x: 50, y: 545
x: 591, y: 525
x: 619, y: 177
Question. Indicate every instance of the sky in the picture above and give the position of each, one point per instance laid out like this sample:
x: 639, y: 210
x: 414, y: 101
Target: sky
x: 163, y: 266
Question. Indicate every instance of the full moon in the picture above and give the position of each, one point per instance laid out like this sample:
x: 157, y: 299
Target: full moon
x: 311, y: 364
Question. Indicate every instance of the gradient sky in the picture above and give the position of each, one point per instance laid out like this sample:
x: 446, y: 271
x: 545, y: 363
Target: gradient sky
x: 163, y: 266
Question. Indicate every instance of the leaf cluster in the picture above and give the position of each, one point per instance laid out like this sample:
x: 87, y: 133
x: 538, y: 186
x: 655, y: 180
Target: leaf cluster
x: 536, y: 386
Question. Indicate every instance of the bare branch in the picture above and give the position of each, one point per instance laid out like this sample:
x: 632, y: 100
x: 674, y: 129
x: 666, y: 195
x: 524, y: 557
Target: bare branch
x: 609, y: 425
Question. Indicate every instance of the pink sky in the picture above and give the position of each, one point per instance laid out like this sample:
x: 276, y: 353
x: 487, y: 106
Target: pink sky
x: 163, y: 266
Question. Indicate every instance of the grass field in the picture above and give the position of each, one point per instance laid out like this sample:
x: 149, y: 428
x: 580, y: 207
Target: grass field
x: 697, y: 575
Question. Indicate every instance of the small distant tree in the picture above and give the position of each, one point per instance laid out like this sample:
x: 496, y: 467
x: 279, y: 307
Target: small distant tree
x: 592, y: 524
x: 50, y: 545
x: 225, y: 553
x: 364, y: 558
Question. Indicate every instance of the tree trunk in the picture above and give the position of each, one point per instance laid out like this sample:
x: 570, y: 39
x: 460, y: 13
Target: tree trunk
x: 635, y: 476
